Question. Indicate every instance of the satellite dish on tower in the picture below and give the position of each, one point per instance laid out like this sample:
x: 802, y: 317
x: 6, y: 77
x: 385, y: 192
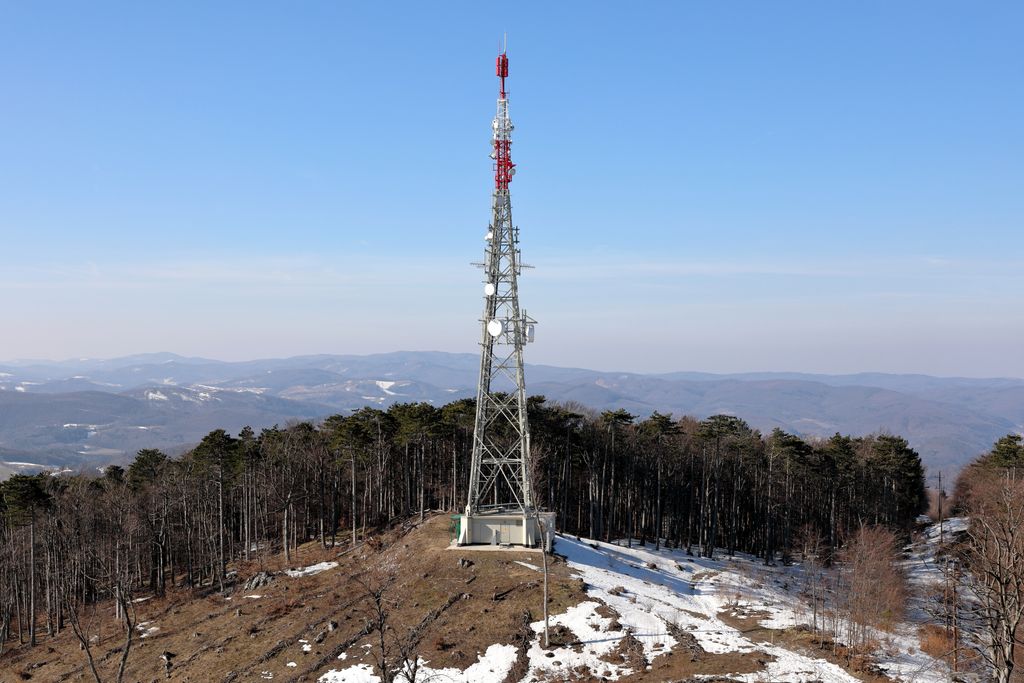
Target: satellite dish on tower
x: 494, y: 328
x: 489, y: 289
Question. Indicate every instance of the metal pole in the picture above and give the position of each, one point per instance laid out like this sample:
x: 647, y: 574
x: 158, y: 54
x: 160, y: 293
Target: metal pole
x: 353, y: 500
x: 544, y: 555
x: 942, y: 539
x: 956, y: 624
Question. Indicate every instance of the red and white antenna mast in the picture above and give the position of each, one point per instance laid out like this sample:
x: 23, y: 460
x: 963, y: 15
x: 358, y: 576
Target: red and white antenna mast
x: 500, y: 496
x: 504, y: 169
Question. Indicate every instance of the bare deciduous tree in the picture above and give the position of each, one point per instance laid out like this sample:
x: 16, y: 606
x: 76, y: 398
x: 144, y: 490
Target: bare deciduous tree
x: 994, y: 558
x: 394, y: 653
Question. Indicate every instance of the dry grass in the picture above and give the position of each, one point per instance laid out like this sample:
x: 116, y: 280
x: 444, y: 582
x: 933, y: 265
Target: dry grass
x: 934, y: 641
x: 802, y: 639
x: 234, y: 638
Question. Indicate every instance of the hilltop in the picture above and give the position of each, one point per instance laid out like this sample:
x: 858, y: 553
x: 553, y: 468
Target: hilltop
x: 624, y: 613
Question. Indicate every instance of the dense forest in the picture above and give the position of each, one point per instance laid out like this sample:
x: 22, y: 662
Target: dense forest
x: 70, y: 541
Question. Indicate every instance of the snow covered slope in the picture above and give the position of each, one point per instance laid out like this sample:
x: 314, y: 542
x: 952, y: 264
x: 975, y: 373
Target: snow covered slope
x: 647, y: 608
x: 656, y: 590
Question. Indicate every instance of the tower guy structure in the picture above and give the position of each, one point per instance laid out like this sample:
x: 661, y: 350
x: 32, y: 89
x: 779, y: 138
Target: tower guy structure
x: 501, y: 507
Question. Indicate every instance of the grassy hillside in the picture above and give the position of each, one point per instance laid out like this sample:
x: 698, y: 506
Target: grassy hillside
x: 297, y: 627
x: 630, y: 614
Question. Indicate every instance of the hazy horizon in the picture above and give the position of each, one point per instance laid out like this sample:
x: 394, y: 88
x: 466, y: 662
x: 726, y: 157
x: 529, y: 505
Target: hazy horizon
x: 823, y: 188
x: 605, y: 369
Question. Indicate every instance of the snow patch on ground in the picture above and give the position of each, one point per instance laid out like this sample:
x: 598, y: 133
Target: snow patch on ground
x: 653, y: 588
x: 311, y: 570
x: 146, y: 629
x: 795, y: 668
x: 592, y: 631
x: 360, y: 673
x: 901, y: 660
x: 490, y: 667
x: 528, y: 565
x: 922, y: 567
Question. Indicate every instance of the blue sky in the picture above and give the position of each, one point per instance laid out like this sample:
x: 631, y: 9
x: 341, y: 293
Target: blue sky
x: 809, y: 186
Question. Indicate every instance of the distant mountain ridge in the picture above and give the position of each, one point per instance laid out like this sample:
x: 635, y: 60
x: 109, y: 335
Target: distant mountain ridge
x: 88, y: 412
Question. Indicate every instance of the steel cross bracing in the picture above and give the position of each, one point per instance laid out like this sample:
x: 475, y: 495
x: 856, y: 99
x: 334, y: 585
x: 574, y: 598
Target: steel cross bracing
x: 500, y: 471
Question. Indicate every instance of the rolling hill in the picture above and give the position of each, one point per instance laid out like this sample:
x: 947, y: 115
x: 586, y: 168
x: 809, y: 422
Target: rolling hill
x: 86, y: 413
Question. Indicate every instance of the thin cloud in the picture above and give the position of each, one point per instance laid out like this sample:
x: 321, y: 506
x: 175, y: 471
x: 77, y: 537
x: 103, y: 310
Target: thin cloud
x: 302, y: 273
x: 604, y: 266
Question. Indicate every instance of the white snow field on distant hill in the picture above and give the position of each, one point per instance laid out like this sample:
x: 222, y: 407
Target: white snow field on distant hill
x: 656, y: 591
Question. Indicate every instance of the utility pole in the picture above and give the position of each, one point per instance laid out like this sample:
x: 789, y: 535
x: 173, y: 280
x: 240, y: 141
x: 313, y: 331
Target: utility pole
x: 544, y: 554
x: 956, y: 618
x: 951, y: 607
x: 941, y: 496
x: 353, y: 459
x: 942, y: 519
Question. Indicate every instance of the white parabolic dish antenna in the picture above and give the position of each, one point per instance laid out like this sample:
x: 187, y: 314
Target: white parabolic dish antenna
x: 489, y: 289
x: 494, y: 328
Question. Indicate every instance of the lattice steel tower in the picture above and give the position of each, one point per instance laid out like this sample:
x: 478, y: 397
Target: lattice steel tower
x: 499, y: 480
